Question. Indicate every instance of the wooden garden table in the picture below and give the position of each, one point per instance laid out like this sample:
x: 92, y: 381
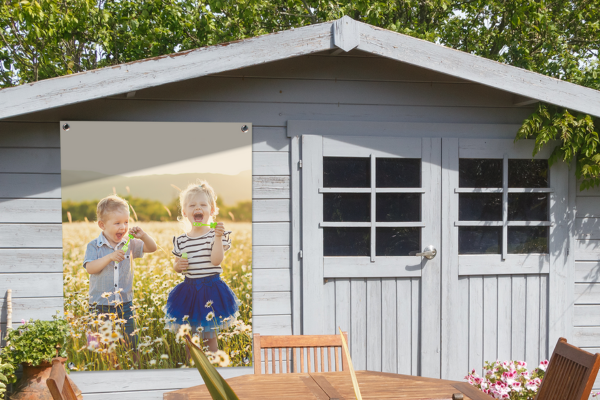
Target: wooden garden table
x: 327, y: 386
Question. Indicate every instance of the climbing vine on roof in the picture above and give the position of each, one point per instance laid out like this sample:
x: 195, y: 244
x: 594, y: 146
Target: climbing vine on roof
x: 577, y: 138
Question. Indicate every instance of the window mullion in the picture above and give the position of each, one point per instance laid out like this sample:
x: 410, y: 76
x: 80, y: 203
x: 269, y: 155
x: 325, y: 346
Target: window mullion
x: 505, y: 207
x: 373, y: 215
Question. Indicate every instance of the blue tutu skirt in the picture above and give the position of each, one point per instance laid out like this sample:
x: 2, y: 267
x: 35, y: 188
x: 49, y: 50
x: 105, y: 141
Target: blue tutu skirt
x: 192, y: 296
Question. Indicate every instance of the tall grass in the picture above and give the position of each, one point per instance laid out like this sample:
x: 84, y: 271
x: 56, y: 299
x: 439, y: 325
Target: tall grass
x: 96, y: 342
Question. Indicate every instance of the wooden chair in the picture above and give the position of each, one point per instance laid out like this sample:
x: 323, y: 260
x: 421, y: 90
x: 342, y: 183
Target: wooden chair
x: 58, y: 382
x: 570, y: 375
x: 291, y: 353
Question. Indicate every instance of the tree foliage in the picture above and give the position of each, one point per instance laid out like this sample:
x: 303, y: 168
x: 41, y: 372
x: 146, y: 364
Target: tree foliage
x: 42, y: 39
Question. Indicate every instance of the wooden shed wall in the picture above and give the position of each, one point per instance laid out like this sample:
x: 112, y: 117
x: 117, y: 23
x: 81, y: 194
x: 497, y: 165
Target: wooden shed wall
x: 352, y: 87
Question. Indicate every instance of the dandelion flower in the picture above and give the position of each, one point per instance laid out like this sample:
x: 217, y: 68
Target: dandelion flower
x: 210, y: 316
x: 209, y: 304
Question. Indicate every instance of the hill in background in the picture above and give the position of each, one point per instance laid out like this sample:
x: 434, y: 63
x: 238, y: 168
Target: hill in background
x: 229, y: 188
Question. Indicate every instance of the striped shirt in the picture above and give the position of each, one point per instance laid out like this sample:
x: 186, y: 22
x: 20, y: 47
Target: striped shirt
x: 199, y: 250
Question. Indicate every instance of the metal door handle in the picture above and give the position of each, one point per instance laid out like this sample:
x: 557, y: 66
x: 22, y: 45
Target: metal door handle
x: 429, y: 253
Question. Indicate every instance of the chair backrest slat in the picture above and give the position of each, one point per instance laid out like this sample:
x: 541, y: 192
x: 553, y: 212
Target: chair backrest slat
x: 58, y: 383
x: 317, y: 347
x: 570, y: 375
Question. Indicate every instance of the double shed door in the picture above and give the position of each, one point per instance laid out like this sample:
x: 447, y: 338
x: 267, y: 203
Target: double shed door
x: 370, y: 203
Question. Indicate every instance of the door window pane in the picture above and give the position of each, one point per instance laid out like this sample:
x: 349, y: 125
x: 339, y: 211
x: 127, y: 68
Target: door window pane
x: 398, y: 172
x: 344, y: 207
x: 527, y: 173
x: 346, y: 242
x: 345, y: 172
x: 480, y: 207
x: 479, y: 173
x: 479, y: 240
x: 527, y: 239
x: 397, y: 241
x: 398, y: 207
x: 527, y: 207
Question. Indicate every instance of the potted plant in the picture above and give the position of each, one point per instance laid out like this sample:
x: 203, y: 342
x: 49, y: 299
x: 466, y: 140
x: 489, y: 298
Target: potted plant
x: 33, y: 345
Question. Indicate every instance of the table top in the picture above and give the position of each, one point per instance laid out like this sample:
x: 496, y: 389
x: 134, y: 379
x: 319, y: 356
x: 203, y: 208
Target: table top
x: 327, y: 386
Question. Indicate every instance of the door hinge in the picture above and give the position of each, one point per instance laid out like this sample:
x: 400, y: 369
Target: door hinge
x: 300, y: 254
x: 300, y: 164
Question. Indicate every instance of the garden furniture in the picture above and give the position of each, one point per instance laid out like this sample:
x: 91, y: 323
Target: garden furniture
x: 58, y: 382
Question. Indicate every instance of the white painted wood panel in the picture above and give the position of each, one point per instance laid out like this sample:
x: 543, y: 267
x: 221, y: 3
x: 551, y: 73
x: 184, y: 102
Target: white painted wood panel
x: 404, y: 320
x: 269, y: 139
x: 591, y: 192
x: 358, y: 323
x: 270, y: 163
x: 364, y: 146
x: 587, y: 228
x: 271, y: 280
x: 30, y: 260
x: 270, y: 187
x: 43, y: 134
x: 30, y: 160
x: 493, y: 264
x: 588, y: 207
x: 271, y: 303
x: 296, y: 207
x: 587, y: 293
x: 30, y: 235
x: 587, y: 272
x: 29, y: 185
x: 496, y: 148
x: 32, y: 308
x: 587, y: 250
x: 374, y: 315
x: 519, y: 318
x: 30, y: 211
x: 270, y: 234
x: 276, y: 210
x: 272, y: 324
x: 587, y: 315
x: 532, y: 320
x: 586, y: 336
x: 504, y: 318
x: 416, y: 343
x: 490, y: 318
x: 389, y: 326
x: 270, y: 257
x: 32, y: 284
x: 476, y: 323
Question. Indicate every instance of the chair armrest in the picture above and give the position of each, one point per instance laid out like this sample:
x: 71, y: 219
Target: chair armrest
x: 472, y: 392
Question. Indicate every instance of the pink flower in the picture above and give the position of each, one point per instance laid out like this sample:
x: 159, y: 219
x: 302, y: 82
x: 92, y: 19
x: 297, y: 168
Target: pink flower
x: 522, y: 364
x: 23, y: 321
x: 543, y: 365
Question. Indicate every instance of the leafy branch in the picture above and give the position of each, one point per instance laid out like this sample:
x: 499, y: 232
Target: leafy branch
x: 577, y: 136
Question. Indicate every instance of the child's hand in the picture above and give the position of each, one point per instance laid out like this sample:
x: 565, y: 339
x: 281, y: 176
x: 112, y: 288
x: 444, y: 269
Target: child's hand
x: 117, y: 256
x: 220, y: 229
x: 181, y: 264
x: 137, y: 232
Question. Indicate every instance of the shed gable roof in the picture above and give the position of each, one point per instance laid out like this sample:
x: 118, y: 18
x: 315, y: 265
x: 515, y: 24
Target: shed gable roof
x: 344, y: 34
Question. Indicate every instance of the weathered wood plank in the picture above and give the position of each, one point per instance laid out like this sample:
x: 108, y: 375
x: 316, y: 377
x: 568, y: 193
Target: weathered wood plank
x: 295, y: 248
x: 269, y: 139
x: 271, y: 303
x: 467, y: 66
x: 389, y: 326
x: 586, y: 336
x: 490, y: 318
x: 29, y: 135
x: 476, y: 323
x: 415, y: 331
x: 30, y: 186
x: 586, y: 315
x: 30, y: 210
x: 270, y: 163
x: 543, y: 346
x: 358, y: 323
x: 373, y: 300
x: 276, y: 210
x: 270, y: 234
x: 587, y: 250
x: 30, y: 260
x: 504, y: 317
x: 587, y: 293
x: 587, y: 228
x: 30, y: 235
x: 532, y: 326
x: 588, y: 207
x: 519, y: 301
x: 270, y: 187
x: 329, y: 307
x: 30, y: 160
x: 494, y: 265
x: 270, y: 257
x: 342, y: 305
x: 272, y: 324
x: 404, y: 326
x: 32, y: 284
x: 271, y: 280
x: 587, y: 272
x: 32, y: 308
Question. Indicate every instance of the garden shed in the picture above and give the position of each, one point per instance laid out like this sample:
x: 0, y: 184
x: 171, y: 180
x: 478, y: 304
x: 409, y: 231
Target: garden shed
x: 368, y: 147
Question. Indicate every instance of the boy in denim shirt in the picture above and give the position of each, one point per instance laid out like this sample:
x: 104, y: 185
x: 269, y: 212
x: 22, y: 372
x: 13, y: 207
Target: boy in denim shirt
x: 111, y: 275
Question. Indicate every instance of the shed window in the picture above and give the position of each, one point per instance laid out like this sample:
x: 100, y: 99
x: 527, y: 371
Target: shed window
x: 503, y: 200
x: 356, y: 197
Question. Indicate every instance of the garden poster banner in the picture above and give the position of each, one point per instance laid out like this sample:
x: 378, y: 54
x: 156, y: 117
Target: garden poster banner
x: 157, y: 242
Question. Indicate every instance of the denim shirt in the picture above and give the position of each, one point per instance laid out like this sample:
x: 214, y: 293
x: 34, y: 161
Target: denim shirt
x: 114, y: 276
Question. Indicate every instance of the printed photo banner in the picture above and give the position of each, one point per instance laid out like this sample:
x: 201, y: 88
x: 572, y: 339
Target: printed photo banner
x: 157, y: 242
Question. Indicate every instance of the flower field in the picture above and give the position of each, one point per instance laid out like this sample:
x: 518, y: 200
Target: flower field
x: 96, y: 342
